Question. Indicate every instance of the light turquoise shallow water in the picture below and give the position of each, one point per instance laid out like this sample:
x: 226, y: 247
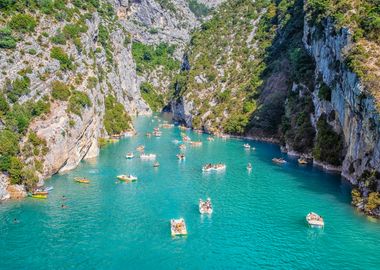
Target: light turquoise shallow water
x: 258, y: 220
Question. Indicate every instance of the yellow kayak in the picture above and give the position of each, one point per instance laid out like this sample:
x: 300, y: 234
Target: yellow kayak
x: 39, y: 196
x: 82, y: 180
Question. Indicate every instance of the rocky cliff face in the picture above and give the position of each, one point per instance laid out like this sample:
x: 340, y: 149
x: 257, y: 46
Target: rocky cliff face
x: 104, y: 65
x: 352, y: 108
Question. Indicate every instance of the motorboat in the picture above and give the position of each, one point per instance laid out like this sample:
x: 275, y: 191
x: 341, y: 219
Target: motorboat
x: 129, y: 155
x: 140, y: 148
x: 156, y: 164
x: 195, y: 143
x: 127, y: 178
x: 279, y: 160
x: 205, y: 207
x: 302, y: 161
x: 246, y: 146
x: 82, y: 180
x: 213, y: 167
x: 129, y: 133
x: 157, y: 133
x: 314, y: 220
x: 148, y: 156
x: 178, y: 227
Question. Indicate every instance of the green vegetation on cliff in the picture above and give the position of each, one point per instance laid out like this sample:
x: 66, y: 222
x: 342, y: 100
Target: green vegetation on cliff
x: 150, y: 95
x: 116, y: 119
x: 329, y: 145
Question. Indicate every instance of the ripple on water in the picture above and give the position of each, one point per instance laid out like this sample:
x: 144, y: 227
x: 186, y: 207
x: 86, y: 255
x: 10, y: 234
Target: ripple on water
x: 258, y: 220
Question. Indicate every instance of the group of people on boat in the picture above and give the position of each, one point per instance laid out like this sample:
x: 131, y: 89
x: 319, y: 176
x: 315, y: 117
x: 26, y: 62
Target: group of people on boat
x: 215, y: 167
x: 315, y: 220
x: 178, y: 227
x: 205, y: 207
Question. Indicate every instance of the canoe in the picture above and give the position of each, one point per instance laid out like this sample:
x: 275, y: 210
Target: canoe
x: 81, y: 180
x: 38, y: 196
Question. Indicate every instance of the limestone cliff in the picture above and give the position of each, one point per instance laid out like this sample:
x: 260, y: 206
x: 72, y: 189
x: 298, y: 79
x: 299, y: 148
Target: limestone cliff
x: 95, y: 42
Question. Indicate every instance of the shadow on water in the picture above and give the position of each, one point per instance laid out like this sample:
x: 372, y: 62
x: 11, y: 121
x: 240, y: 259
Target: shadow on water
x: 331, y: 183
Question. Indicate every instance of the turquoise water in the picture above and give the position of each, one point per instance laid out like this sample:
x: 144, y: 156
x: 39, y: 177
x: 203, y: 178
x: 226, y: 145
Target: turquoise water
x: 258, y: 220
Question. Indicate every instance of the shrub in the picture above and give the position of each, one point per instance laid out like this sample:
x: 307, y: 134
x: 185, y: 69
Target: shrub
x: 64, y: 60
x: 8, y: 143
x: 199, y: 9
x: 154, y: 100
x: 7, y: 41
x: 59, y: 38
x: 116, y: 119
x: 18, y: 88
x: 15, y: 170
x: 60, y: 91
x: 329, y: 144
x: 324, y: 92
x: 78, y: 101
x: 22, y: 23
x: 150, y: 57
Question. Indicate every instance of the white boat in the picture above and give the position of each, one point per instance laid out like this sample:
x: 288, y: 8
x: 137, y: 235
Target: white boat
x: 140, y: 148
x: 178, y: 227
x: 246, y: 146
x: 213, y: 167
x: 156, y: 164
x: 279, y: 160
x: 49, y: 189
x: 157, y: 133
x: 205, y: 207
x: 129, y: 133
x: 129, y: 155
x: 195, y: 143
x: 127, y: 178
x: 314, y: 220
x: 148, y: 156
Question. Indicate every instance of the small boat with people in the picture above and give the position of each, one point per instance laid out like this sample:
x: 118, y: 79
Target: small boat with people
x: 205, y: 207
x: 246, y: 146
x: 156, y: 164
x: 42, y: 191
x: 127, y: 178
x: 148, y: 156
x: 82, y: 180
x: 129, y: 133
x: 279, y: 160
x: 157, y: 133
x: 178, y: 227
x: 181, y: 156
x: 129, y: 155
x: 140, y: 148
x: 314, y: 220
x: 166, y: 125
x: 196, y: 143
x: 302, y: 161
x: 214, y: 167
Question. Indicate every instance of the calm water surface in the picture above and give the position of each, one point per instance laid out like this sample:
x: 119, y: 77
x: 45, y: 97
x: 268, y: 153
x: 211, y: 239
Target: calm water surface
x: 258, y: 220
